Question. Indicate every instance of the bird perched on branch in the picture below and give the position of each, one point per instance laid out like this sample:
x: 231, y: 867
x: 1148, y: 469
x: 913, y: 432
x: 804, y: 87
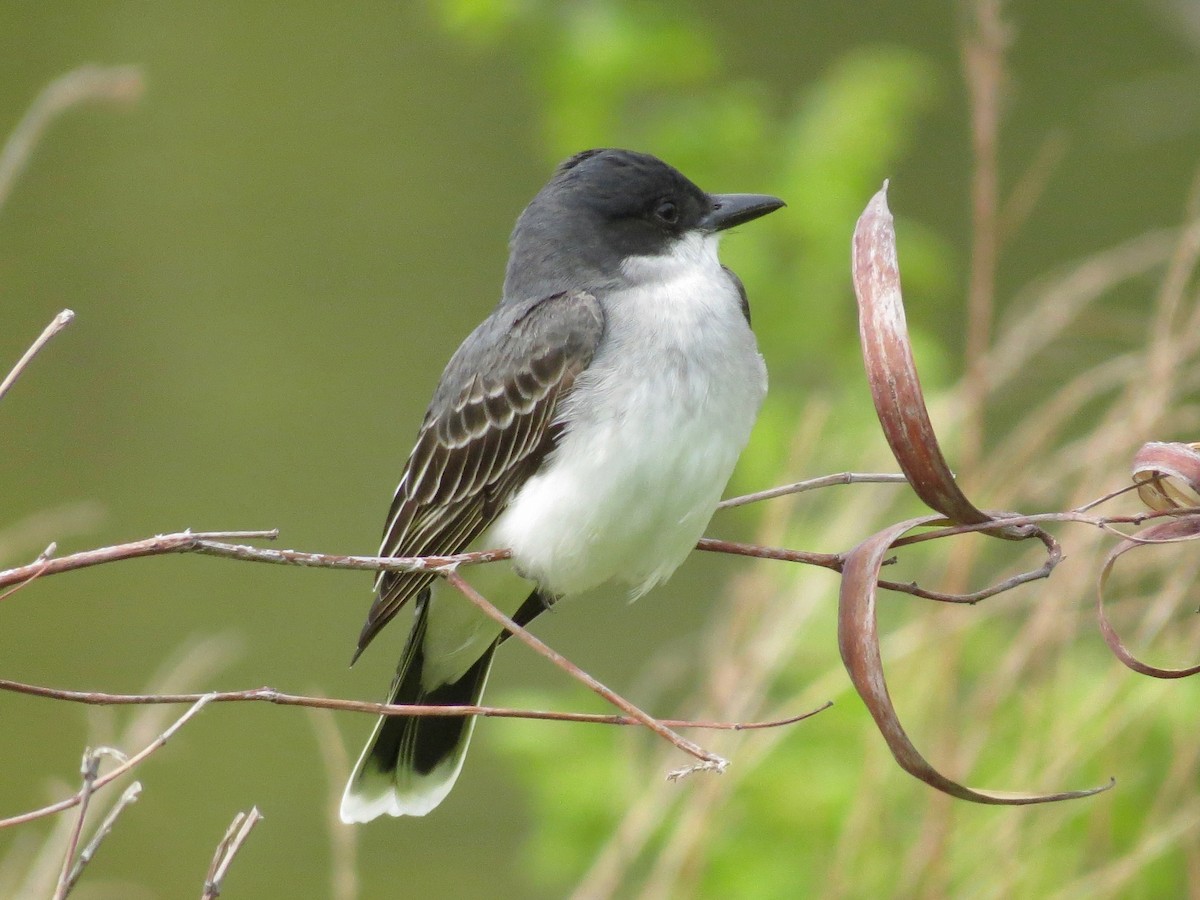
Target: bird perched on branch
x: 589, y: 424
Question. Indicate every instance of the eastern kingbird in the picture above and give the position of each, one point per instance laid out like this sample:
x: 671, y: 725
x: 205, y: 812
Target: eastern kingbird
x: 589, y: 424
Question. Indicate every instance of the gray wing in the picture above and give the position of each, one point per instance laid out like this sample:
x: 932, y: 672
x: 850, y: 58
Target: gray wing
x: 490, y: 424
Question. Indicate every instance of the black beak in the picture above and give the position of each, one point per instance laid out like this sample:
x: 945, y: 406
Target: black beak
x: 729, y: 210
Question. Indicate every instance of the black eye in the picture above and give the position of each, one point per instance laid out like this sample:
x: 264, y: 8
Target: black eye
x: 667, y: 212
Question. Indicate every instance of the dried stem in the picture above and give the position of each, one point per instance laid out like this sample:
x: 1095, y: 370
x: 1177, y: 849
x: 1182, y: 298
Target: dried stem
x: 57, y: 324
x: 270, y: 695
x: 836, y: 561
x: 213, y: 543
x: 127, y: 799
x: 90, y: 769
x: 235, y: 836
x: 812, y: 484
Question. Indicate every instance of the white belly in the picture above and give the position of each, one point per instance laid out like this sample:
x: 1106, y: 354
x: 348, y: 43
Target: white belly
x: 655, y: 426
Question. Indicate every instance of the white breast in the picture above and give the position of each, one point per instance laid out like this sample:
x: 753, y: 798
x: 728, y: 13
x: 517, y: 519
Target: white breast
x: 654, y: 428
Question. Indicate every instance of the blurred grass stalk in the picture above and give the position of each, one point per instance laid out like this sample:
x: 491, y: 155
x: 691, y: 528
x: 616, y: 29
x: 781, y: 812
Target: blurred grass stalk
x: 118, y: 84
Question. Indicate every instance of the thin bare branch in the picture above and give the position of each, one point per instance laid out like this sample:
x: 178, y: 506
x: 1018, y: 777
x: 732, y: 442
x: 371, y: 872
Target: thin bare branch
x: 216, y: 543
x: 239, y: 829
x: 1104, y: 523
x: 835, y: 561
x: 783, y: 554
x: 57, y: 324
x: 1111, y: 495
x: 128, y: 798
x: 335, y: 561
x: 1053, y: 558
x: 213, y: 543
x: 270, y: 695
x: 89, y: 769
x: 813, y: 484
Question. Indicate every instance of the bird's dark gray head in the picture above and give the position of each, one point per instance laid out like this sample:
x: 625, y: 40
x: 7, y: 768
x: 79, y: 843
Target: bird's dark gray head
x: 602, y: 207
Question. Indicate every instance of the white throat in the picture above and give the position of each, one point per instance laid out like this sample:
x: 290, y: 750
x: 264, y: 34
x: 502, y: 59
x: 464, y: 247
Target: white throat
x: 694, y: 254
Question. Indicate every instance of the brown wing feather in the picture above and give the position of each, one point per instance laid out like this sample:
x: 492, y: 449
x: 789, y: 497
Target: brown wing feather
x: 490, y: 425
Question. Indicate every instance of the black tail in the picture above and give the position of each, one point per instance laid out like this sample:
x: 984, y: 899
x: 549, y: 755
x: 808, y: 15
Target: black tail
x: 422, y: 743
x: 411, y: 762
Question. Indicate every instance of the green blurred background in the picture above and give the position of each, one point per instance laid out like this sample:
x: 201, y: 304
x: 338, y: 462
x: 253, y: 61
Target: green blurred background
x: 273, y: 253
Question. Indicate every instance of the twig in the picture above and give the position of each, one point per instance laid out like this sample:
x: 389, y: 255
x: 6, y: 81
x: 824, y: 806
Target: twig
x: 836, y: 561
x: 782, y: 554
x: 89, y: 769
x: 334, y: 561
x: 1111, y: 495
x: 239, y: 829
x: 1053, y: 558
x: 708, y: 761
x: 57, y: 324
x: 181, y: 542
x: 116, y: 83
x: 212, y: 543
x: 1105, y: 523
x: 813, y: 484
x: 128, y: 798
x: 116, y: 773
x: 216, y: 543
x: 270, y: 695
